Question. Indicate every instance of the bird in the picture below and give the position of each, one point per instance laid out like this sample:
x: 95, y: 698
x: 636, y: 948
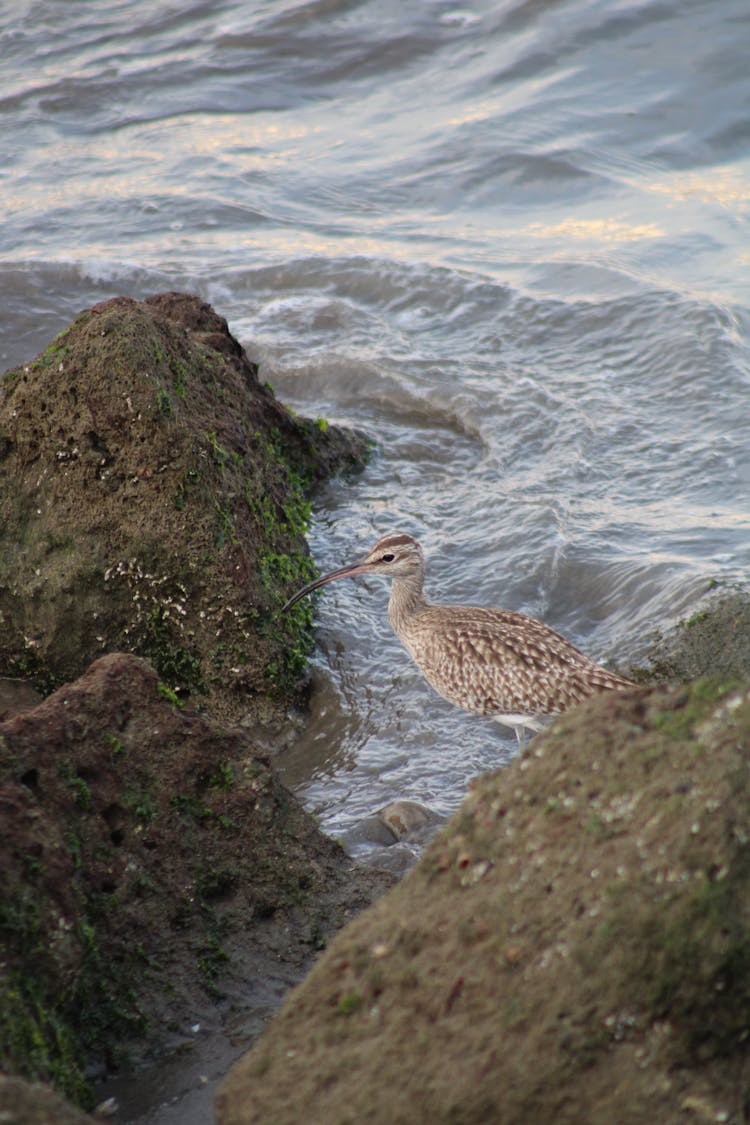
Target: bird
x: 489, y: 661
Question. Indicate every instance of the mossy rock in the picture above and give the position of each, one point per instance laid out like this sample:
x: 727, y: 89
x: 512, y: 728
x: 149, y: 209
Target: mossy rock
x: 154, y: 498
x: 574, y: 947
x: 30, y: 1103
x: 150, y: 857
x: 713, y: 640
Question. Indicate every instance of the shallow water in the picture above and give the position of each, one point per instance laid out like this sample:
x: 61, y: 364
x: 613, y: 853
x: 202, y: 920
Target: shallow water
x: 509, y: 240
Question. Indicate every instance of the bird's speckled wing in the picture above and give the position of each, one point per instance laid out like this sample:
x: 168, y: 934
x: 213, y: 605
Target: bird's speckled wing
x: 496, y: 662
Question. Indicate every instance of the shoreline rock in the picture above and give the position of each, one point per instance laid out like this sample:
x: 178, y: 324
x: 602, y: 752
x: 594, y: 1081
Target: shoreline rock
x: 714, y: 640
x: 154, y: 499
x: 31, y: 1103
x: 151, y: 860
x: 572, y: 947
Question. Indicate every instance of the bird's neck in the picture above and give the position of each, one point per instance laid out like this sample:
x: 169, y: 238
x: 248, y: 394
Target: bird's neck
x: 407, y: 599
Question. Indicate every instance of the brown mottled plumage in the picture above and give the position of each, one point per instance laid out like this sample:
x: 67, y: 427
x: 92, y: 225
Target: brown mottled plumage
x: 491, y: 661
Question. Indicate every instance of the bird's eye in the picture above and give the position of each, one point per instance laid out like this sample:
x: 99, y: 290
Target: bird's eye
x: 387, y: 558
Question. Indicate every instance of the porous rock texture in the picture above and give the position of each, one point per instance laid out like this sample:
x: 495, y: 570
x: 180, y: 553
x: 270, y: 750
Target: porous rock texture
x: 573, y: 947
x: 151, y: 860
x: 153, y: 499
x: 31, y: 1103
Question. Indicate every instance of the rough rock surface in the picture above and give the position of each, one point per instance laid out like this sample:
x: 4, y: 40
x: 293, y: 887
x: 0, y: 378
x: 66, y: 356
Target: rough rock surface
x: 30, y: 1103
x: 715, y: 638
x: 153, y: 500
x: 573, y: 947
x: 149, y: 860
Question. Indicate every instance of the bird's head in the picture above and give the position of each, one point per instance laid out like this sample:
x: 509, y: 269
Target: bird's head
x: 396, y: 556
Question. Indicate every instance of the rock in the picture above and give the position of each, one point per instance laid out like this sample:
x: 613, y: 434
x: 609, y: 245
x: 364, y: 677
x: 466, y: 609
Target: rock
x: 401, y: 820
x: 15, y: 696
x: 27, y: 1103
x: 572, y: 947
x: 153, y: 500
x: 369, y: 831
x: 408, y: 820
x: 402, y: 828
x: 713, y: 641
x: 150, y: 858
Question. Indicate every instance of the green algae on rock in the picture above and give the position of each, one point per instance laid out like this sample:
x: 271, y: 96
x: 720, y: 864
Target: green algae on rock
x: 573, y: 946
x: 154, y: 498
x: 150, y: 859
x: 713, y: 640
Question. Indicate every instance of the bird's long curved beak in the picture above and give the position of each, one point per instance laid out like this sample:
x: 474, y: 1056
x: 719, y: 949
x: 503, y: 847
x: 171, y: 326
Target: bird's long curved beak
x: 342, y: 572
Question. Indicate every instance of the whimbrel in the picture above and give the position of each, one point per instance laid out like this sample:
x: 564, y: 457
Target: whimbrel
x: 489, y: 661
